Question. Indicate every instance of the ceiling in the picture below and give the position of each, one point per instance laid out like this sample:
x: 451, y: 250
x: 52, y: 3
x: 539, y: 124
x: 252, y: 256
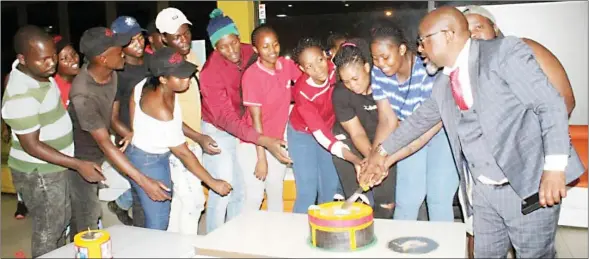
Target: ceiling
x: 274, y: 8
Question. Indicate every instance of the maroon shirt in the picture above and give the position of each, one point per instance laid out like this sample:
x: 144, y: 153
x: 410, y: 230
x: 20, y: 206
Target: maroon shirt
x: 221, y: 98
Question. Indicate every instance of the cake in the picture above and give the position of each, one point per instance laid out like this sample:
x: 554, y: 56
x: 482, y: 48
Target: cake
x: 334, y: 228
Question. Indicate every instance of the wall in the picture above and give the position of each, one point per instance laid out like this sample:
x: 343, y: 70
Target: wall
x: 562, y: 27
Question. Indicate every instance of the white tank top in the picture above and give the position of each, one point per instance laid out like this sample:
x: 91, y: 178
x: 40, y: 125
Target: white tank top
x: 152, y: 135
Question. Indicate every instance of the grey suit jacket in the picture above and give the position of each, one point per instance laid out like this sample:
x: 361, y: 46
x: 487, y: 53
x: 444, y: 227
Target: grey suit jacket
x: 522, y: 116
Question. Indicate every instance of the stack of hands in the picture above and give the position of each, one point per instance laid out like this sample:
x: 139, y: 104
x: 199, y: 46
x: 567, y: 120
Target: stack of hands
x: 372, y: 170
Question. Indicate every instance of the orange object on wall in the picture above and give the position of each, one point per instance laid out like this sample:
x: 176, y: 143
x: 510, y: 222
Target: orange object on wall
x: 579, y: 140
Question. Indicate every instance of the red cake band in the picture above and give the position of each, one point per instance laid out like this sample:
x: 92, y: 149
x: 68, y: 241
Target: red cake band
x: 340, y: 224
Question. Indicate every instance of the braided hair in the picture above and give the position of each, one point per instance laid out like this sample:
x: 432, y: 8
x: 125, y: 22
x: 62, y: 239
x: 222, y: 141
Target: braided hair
x: 395, y: 33
x: 353, y: 51
x: 333, y: 38
x: 304, y: 44
x: 259, y: 29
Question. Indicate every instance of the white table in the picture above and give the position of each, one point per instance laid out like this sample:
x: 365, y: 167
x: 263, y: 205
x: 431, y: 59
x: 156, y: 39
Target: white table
x: 134, y: 242
x: 274, y: 234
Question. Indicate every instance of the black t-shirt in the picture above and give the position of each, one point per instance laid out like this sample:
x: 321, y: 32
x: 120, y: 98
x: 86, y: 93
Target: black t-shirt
x: 130, y: 76
x: 90, y: 109
x: 347, y: 105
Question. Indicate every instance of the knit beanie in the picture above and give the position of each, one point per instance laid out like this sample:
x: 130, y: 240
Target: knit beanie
x: 219, y: 26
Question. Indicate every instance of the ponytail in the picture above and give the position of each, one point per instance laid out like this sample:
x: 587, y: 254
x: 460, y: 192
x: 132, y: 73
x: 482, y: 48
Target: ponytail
x: 250, y: 62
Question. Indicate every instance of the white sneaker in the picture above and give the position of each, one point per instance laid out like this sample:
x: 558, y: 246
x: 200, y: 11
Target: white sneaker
x: 338, y: 197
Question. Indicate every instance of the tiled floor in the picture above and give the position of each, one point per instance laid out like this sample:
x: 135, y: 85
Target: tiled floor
x: 16, y: 234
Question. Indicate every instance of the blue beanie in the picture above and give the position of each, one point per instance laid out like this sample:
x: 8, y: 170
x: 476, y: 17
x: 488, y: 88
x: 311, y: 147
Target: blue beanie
x: 219, y: 26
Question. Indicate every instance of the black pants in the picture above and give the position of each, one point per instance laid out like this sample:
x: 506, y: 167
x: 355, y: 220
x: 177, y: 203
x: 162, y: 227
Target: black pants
x: 47, y: 198
x: 383, y: 193
x: 86, y: 209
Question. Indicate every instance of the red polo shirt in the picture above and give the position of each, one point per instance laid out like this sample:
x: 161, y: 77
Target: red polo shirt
x: 64, y: 89
x: 271, y: 91
x: 313, y: 110
x: 221, y: 98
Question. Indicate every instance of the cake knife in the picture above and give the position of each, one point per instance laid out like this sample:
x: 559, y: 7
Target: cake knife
x: 354, y: 196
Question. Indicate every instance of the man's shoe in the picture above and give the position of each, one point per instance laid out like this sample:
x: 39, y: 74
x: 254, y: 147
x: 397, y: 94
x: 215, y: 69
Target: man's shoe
x: 122, y: 214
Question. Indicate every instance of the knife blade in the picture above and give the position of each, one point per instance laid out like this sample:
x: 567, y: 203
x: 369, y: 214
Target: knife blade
x: 354, y: 197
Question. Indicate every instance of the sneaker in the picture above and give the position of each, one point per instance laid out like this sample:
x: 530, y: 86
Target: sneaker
x: 21, y: 210
x: 338, y: 197
x: 122, y: 214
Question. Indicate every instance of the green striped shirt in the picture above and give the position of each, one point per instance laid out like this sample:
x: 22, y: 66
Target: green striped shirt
x: 28, y: 106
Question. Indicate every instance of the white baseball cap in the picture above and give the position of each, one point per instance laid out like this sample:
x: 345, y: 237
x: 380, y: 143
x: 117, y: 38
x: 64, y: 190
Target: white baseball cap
x: 475, y: 9
x: 170, y: 19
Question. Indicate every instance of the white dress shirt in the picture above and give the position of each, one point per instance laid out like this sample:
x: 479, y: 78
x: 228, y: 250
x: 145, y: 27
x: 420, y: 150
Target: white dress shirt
x: 554, y: 162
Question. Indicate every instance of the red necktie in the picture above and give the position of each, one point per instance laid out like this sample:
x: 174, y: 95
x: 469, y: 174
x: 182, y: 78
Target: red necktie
x: 457, y: 90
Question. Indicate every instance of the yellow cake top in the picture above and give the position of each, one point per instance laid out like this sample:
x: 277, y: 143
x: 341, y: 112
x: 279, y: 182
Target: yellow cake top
x: 333, y: 211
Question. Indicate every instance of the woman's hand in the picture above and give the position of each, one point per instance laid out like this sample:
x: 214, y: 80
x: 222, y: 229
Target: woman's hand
x: 261, y: 170
x: 125, y: 142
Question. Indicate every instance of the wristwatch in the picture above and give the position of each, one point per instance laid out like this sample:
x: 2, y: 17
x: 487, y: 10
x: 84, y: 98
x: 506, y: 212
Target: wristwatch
x: 381, y: 151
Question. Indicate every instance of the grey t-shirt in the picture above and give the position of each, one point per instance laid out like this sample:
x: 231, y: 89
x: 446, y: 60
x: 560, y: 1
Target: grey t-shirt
x: 90, y: 109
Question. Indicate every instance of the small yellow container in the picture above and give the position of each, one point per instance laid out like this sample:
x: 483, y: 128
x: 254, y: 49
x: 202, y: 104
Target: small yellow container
x: 93, y: 244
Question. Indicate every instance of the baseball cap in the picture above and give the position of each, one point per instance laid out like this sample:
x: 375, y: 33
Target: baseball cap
x: 151, y: 29
x: 168, y: 62
x: 97, y: 40
x: 475, y: 9
x: 170, y: 19
x: 126, y: 25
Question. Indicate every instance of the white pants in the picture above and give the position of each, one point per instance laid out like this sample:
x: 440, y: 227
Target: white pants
x: 254, y: 188
x: 188, y: 197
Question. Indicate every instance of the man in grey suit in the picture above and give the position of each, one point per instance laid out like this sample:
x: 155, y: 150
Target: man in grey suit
x: 508, y: 129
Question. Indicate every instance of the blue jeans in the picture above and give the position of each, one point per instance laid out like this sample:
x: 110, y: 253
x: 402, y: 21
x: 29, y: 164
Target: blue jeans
x: 429, y: 172
x: 125, y: 201
x: 157, y: 167
x: 223, y: 166
x: 315, y: 175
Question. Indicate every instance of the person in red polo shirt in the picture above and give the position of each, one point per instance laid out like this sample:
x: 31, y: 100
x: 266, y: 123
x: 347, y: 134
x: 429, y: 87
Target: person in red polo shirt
x: 310, y: 129
x: 222, y: 117
x: 266, y: 88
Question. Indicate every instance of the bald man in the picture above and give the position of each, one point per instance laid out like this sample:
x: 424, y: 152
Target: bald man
x: 508, y: 130
x: 481, y: 24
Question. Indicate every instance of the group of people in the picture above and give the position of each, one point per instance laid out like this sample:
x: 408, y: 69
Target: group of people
x: 378, y: 112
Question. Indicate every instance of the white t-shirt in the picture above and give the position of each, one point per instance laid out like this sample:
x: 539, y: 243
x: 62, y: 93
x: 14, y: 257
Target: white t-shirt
x: 152, y: 135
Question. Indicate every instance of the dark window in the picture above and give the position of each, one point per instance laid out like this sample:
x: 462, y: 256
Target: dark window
x: 9, y: 27
x: 319, y: 19
x: 143, y: 12
x: 83, y: 16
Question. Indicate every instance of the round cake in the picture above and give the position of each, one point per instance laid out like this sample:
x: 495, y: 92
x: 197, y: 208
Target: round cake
x: 334, y: 228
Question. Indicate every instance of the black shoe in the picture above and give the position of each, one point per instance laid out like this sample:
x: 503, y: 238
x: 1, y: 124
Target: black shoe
x: 122, y: 214
x: 21, y: 210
